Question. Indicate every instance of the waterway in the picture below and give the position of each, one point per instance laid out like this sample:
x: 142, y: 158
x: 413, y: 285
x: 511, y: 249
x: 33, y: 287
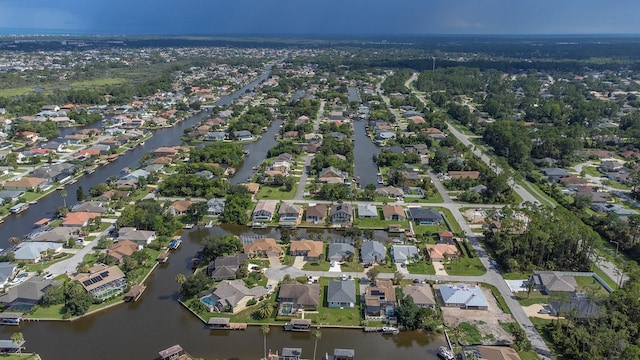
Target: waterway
x: 257, y: 153
x: 139, y: 330
x: 157, y: 321
x: 364, y: 150
x: 21, y: 224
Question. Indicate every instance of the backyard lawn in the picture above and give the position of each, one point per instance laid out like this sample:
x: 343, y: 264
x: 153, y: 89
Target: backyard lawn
x: 465, y: 267
x: 421, y: 267
x: 336, y: 316
x: 276, y: 192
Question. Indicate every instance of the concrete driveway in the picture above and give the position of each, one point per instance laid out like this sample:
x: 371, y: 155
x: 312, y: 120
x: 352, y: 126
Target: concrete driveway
x: 298, y: 262
x: 402, y: 270
x: 439, y: 267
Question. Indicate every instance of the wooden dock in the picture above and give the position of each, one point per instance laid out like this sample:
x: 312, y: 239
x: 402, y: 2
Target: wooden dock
x: 372, y: 329
x: 135, y: 293
x: 163, y: 257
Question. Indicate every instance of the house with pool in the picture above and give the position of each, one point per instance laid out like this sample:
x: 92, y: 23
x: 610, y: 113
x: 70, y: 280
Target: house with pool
x: 231, y: 296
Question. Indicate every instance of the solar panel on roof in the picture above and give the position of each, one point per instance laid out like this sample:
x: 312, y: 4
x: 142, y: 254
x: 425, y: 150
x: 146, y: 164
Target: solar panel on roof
x: 104, y: 274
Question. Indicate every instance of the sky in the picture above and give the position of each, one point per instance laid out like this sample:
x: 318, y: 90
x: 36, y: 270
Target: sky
x: 319, y: 17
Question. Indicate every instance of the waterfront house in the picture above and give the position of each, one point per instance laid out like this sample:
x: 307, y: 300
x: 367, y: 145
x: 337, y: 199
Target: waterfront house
x: 8, y: 196
x: 216, y: 136
x: 263, y: 247
x: 294, y: 297
x: 311, y: 250
x: 497, y: 353
x: 390, y: 191
x: 180, y: 207
x: 140, y: 237
x: 79, y: 218
x: 316, y: 213
x: 404, y: 254
x: 548, y: 282
x: 367, y: 211
x: 393, y: 213
x: 226, y: 267
x: 341, y: 354
x: 340, y: 252
x: 264, y: 210
x: 112, y: 195
x: 332, y: 175
x: 7, y: 272
x: 90, y: 206
x: 290, y: 215
x: 32, y: 252
x: 215, y: 207
x: 341, y: 294
x: 373, y: 252
x: 137, y: 174
x: 23, y: 297
x: 102, y: 281
x: 421, y: 216
x: 421, y: 294
x: 131, y: 184
x: 463, y: 296
x: 27, y: 184
x: 441, y: 252
x: 61, y: 234
x: 341, y: 214
x: 282, y: 166
x: 165, y: 151
x: 122, y: 249
x: 243, y: 135
x: 56, y: 172
x: 380, y: 299
x: 232, y: 296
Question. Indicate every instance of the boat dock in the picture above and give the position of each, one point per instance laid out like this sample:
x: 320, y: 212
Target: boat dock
x: 220, y: 323
x: 135, y: 293
x: 371, y: 329
x: 163, y: 257
x: 10, y: 318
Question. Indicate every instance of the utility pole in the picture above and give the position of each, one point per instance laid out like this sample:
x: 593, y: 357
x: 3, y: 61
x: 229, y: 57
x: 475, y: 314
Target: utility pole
x: 434, y: 63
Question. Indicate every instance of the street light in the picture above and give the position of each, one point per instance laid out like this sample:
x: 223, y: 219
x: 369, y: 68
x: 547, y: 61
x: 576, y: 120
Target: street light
x: 617, y: 245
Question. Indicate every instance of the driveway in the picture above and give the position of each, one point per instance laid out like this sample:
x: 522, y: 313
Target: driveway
x: 335, y: 267
x: 439, y: 267
x: 298, y: 262
x: 402, y: 270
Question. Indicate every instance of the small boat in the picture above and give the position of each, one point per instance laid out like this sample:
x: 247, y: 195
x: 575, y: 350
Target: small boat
x: 73, y: 181
x: 90, y: 171
x: 18, y: 208
x: 174, y: 244
x: 33, y: 202
x: 390, y: 330
x: 142, y: 143
x: 209, y: 224
x: 247, y: 153
x: 445, y: 353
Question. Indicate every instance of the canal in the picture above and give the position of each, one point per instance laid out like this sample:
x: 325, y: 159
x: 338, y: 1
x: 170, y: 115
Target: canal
x: 139, y: 330
x: 21, y: 224
x: 364, y: 150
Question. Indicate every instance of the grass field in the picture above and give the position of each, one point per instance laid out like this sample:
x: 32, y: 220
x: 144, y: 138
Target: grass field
x: 421, y: 267
x: 590, y: 283
x: 465, y: 267
x: 20, y: 357
x: 276, y: 193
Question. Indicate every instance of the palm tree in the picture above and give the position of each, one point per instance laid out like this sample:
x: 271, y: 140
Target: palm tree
x: 265, y: 330
x: 264, y: 310
x: 17, y: 339
x: 180, y: 279
x: 316, y: 335
x: 63, y: 194
x: 14, y: 240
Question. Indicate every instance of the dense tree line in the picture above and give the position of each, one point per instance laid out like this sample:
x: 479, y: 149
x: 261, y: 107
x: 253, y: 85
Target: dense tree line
x: 219, y: 152
x: 191, y: 185
x: 254, y: 119
x: 540, y: 238
x: 149, y: 215
x: 285, y: 146
x: 394, y: 83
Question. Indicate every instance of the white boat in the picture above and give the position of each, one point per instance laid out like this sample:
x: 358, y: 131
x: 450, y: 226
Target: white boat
x: 18, y: 208
x: 390, y: 330
x: 445, y: 353
x: 33, y: 202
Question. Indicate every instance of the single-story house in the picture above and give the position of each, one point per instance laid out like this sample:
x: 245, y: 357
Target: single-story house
x: 497, y: 353
x: 299, y: 296
x: 422, y: 216
x: 316, y: 213
x: 27, y: 184
x: 7, y: 196
x: 7, y: 272
x: 393, y: 213
x: 341, y: 214
x: 311, y: 250
x: 553, y: 281
x: 390, y: 191
x: 264, y: 210
x: 421, y: 294
x: 441, y: 252
x: 122, y: 249
x: 581, y: 305
x: 180, y: 207
x: 216, y: 207
x: 341, y: 294
x: 463, y: 296
x: 90, y: 206
x: 373, y: 252
x: 340, y: 251
x: 102, y: 281
x: 367, y: 211
x: 31, y: 251
x: 232, y: 296
x: 263, y: 247
x: 225, y: 267
x: 79, y: 219
x: 243, y: 135
x: 290, y: 214
x: 445, y: 237
x: 26, y: 295
x: 60, y: 234
x: 140, y: 237
x: 403, y: 254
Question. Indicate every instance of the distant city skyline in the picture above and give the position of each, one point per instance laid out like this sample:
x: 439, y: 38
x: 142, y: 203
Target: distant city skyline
x: 319, y: 17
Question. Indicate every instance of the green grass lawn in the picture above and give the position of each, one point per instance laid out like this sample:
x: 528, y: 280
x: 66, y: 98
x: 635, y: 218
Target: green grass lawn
x: 589, y: 282
x: 260, y: 262
x: 276, y: 193
x: 535, y: 297
x: 321, y: 265
x: 455, y: 227
x: 49, y: 312
x: 496, y: 294
x: 465, y: 267
x: 46, y: 263
x: 336, y: 316
x: 469, y: 335
x: 516, y: 276
x: 612, y: 283
x: 352, y: 266
x: 387, y: 268
x: 591, y: 171
x: 23, y: 356
x: 421, y: 267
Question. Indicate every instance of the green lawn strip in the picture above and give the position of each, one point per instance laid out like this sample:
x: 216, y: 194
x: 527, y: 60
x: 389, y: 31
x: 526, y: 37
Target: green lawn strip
x: 31, y: 356
x: 455, y: 227
x: 496, y: 294
x: 49, y: 312
x: 469, y: 335
x: 321, y: 265
x: 617, y: 185
x: 262, y: 263
x: 591, y: 171
x: 537, y: 193
x: 465, y: 267
x: 16, y: 91
x: 335, y: 316
x: 535, y: 297
x: 429, y: 230
x: 387, y: 268
x: 244, y: 316
x: 516, y: 276
x: 352, y: 266
x: 528, y: 355
x: 421, y: 267
x: 276, y: 193
x: 612, y: 283
x: 589, y: 282
x: 46, y: 263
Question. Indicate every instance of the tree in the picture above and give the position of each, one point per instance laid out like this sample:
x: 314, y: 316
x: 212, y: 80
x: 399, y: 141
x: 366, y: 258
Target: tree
x: 80, y: 196
x: 76, y: 299
x: 17, y: 338
x: 14, y: 240
x: 407, y: 312
x: 194, y: 285
x: 373, y: 273
x: 181, y: 279
x: 316, y: 336
x: 529, y: 286
x: 397, y: 278
x: 263, y: 311
x: 63, y: 195
x: 265, y: 330
x: 197, y: 211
